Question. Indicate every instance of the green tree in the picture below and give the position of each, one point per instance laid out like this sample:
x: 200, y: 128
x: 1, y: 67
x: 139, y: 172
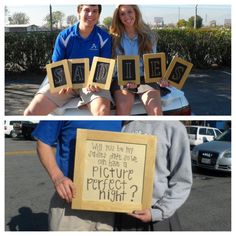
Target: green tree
x: 19, y: 18
x: 182, y: 23
x: 107, y: 22
x: 71, y: 19
x: 198, y: 22
x: 57, y: 19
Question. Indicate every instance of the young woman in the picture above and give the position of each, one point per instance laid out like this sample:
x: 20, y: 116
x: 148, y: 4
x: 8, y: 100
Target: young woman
x: 131, y: 36
x: 82, y: 40
x: 172, y: 179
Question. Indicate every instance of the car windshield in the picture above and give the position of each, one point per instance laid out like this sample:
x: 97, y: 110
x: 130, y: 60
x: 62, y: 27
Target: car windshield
x: 225, y: 136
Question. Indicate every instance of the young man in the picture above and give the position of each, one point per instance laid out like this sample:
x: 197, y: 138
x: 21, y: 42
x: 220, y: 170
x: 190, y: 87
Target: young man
x: 172, y: 180
x: 60, y: 169
x: 82, y: 40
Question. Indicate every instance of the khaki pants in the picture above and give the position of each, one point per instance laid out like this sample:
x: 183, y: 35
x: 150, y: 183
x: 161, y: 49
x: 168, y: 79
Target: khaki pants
x: 63, y: 218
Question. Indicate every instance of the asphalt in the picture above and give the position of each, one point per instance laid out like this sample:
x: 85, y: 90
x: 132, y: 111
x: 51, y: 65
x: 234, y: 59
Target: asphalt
x: 208, y: 91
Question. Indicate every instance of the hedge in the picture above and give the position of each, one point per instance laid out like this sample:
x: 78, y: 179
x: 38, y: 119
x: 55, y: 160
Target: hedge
x: 201, y: 47
x: 28, y: 51
x: 31, y: 51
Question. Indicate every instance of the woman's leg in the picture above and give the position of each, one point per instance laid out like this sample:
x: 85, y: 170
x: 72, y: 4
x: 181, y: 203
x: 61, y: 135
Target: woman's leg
x: 152, y: 102
x: 40, y: 105
x: 100, y: 106
x: 124, y: 101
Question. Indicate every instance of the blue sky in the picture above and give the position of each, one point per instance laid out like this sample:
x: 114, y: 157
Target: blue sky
x: 170, y: 13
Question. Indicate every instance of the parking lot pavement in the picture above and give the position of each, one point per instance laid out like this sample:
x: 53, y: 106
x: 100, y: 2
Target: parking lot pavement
x: 208, y: 92
x: 28, y: 191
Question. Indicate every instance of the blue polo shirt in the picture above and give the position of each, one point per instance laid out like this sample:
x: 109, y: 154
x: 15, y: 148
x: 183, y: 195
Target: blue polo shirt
x: 63, y: 134
x: 70, y: 45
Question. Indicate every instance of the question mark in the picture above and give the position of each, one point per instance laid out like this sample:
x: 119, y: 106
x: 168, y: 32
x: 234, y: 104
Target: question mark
x: 135, y: 190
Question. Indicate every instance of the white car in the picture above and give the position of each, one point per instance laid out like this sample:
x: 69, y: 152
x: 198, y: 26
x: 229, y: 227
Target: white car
x: 200, y: 134
x: 8, y: 128
x: 173, y: 103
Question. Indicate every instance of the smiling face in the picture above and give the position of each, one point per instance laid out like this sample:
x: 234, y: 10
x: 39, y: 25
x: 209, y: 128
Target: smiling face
x: 127, y: 16
x: 89, y: 15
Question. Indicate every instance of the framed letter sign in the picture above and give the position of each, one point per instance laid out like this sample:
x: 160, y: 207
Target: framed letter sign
x: 128, y: 69
x: 79, y: 69
x: 154, y: 67
x: 58, y: 75
x: 178, y: 71
x: 101, y: 72
x: 113, y: 171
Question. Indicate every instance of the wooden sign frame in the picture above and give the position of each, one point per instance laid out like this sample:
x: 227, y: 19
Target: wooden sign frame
x: 184, y: 68
x: 95, y: 66
x: 84, y: 73
x: 120, y: 60
x: 66, y: 71
x: 93, y: 147
x: 161, y: 57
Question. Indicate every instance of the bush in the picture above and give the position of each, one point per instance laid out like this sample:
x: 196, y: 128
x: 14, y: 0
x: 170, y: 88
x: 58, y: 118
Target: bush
x: 201, y: 47
x: 31, y: 51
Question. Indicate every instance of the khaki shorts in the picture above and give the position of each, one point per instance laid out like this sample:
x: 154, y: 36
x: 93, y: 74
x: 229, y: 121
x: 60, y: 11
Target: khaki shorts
x: 83, y: 96
x: 63, y: 218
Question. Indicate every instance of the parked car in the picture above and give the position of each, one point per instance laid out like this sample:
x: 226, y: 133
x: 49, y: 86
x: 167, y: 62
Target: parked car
x: 24, y: 129
x: 173, y: 101
x: 215, y: 155
x: 8, y: 128
x: 201, y: 134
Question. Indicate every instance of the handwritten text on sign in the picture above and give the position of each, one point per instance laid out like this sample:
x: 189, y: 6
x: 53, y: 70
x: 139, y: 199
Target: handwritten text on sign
x: 114, y: 172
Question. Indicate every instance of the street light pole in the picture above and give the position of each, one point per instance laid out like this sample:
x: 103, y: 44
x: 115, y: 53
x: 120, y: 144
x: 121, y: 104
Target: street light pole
x: 195, y: 17
x: 50, y: 9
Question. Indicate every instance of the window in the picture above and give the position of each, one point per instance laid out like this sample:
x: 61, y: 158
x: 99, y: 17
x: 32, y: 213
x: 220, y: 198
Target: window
x: 210, y: 132
x: 202, y: 131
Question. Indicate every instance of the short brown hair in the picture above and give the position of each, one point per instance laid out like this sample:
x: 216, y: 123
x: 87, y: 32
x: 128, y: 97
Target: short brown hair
x: 99, y: 7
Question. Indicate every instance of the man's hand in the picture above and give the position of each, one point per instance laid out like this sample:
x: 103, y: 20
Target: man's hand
x: 65, y: 188
x: 65, y: 90
x: 143, y: 215
x: 93, y: 88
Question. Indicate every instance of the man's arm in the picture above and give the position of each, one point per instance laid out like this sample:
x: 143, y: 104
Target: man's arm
x: 63, y: 185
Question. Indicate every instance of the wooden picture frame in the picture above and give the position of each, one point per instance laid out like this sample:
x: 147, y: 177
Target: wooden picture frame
x: 154, y: 67
x: 59, y: 76
x: 79, y: 69
x: 113, y: 171
x: 178, y: 71
x: 101, y: 72
x: 128, y: 69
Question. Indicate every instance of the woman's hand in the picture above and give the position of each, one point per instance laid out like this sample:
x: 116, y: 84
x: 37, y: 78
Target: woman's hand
x: 164, y: 83
x: 143, y: 215
x: 131, y: 85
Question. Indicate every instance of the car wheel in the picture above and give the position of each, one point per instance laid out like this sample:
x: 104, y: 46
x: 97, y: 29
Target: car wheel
x: 13, y: 134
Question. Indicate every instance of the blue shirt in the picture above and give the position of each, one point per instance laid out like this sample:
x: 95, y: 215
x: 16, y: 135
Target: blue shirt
x: 63, y: 134
x: 131, y: 48
x: 70, y: 45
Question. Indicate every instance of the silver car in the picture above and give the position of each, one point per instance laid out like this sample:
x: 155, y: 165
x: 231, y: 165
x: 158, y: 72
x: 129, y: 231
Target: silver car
x: 215, y: 155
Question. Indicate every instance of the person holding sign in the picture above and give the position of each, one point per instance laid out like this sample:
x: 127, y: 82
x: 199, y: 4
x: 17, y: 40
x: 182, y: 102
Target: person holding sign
x: 132, y: 37
x: 82, y: 40
x: 60, y: 168
x: 172, y: 180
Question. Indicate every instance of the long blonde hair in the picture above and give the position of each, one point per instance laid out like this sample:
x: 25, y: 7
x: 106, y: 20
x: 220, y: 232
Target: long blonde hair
x: 145, y: 37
